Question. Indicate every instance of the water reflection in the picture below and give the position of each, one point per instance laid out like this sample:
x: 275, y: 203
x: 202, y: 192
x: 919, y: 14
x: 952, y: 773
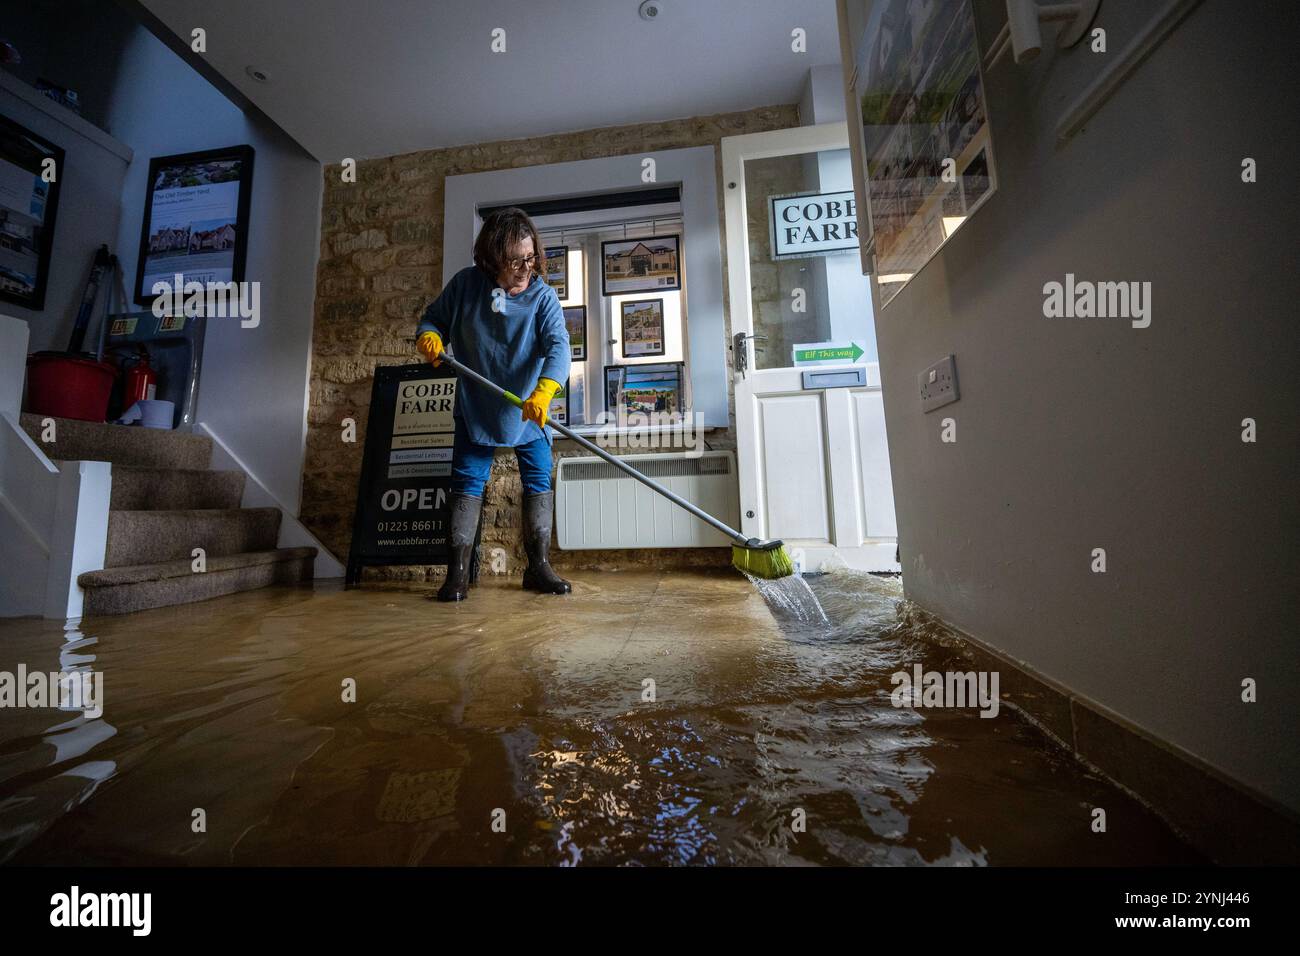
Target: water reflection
x: 649, y: 718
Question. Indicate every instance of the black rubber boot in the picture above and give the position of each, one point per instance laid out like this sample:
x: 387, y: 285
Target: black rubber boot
x: 539, y: 575
x: 460, y: 539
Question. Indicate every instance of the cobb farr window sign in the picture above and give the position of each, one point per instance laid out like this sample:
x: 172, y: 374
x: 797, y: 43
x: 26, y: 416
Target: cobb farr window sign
x: 813, y: 224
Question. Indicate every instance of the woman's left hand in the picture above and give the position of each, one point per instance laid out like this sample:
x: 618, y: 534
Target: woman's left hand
x: 535, y: 407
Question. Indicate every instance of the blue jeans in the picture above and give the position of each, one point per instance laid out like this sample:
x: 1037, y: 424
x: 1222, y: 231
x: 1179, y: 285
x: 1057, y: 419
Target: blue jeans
x: 472, y: 465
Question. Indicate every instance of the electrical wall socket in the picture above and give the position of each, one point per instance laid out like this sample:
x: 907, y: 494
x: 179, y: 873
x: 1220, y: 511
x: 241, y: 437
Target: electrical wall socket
x: 939, y: 384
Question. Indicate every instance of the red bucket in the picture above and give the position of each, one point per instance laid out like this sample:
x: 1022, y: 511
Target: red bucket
x: 68, y: 387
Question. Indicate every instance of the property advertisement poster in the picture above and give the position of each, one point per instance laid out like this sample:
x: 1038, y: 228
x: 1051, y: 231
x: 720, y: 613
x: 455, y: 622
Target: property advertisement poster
x: 643, y: 327
x: 575, y: 323
x: 925, y: 130
x: 559, y: 408
x: 401, y: 514
x: 557, y: 270
x: 28, y: 204
x: 640, y: 265
x: 195, y: 220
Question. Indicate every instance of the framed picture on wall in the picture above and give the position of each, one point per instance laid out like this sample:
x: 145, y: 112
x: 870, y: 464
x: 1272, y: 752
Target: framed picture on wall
x: 613, y: 388
x: 643, y: 327
x: 559, y: 408
x: 557, y: 270
x: 195, y: 219
x: 575, y: 321
x: 919, y: 132
x: 640, y: 265
x: 31, y: 169
x: 649, y: 388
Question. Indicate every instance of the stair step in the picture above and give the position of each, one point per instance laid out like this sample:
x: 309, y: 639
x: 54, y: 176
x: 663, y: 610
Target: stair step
x: 151, y: 537
x: 129, y: 445
x: 174, y: 489
x: 121, y: 590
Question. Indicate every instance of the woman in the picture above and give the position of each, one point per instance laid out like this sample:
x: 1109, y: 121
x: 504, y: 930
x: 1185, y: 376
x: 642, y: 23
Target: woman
x: 501, y: 319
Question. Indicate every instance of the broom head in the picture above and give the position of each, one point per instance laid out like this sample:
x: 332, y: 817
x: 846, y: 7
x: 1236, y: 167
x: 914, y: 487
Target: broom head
x: 762, y: 559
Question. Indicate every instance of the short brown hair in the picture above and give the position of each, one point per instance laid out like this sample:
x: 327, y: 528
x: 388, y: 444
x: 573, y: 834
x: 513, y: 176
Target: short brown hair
x: 502, y: 229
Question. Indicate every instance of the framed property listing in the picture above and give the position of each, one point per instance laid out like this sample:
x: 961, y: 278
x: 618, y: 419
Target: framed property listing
x: 642, y: 327
x: 559, y: 408
x: 31, y: 169
x: 926, y: 146
x: 195, y: 219
x: 557, y: 270
x: 644, y: 389
x: 575, y: 323
x: 629, y: 266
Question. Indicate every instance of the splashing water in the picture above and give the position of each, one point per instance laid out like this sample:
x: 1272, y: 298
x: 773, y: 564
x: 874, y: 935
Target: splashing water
x: 792, y: 597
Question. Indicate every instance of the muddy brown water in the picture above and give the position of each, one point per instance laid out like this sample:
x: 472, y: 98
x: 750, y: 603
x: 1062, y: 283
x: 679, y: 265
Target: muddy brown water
x: 523, y: 729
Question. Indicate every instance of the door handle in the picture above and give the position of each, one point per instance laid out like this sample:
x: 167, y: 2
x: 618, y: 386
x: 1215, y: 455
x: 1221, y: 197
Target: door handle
x: 739, y: 352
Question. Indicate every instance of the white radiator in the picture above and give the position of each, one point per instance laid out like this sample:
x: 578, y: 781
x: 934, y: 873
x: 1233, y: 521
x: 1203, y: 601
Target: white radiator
x: 599, y: 506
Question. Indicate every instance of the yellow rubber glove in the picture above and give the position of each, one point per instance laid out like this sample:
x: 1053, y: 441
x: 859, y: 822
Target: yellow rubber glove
x: 429, y: 345
x: 535, y: 408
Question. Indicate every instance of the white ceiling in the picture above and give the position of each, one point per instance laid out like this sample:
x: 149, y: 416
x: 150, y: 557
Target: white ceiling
x: 365, y: 78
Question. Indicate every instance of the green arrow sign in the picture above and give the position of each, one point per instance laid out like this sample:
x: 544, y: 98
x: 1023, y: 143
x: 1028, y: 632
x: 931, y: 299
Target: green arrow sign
x: 840, y: 353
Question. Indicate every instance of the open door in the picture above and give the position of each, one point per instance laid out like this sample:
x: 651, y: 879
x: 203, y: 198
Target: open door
x: 810, y: 423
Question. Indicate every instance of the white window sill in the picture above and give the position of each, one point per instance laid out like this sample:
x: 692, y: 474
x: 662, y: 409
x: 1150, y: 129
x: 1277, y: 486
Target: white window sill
x: 592, y: 431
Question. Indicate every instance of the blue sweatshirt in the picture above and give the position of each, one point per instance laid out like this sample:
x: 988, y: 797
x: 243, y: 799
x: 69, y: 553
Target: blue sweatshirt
x: 525, y: 341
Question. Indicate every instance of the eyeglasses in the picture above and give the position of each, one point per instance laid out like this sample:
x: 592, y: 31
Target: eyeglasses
x: 519, y: 263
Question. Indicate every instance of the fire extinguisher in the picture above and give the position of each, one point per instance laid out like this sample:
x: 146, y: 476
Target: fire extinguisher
x: 141, y: 381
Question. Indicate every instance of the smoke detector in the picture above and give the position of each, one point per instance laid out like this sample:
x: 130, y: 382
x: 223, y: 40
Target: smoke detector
x: 650, y: 9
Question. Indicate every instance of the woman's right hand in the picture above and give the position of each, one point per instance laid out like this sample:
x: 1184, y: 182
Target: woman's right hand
x: 429, y: 345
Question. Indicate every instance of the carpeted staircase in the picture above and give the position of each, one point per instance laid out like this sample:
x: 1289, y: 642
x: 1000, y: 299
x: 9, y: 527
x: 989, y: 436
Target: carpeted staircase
x: 165, y: 502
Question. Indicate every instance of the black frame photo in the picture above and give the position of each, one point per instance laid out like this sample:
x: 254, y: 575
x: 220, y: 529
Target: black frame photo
x: 26, y: 235
x: 613, y: 385
x: 223, y: 220
x: 617, y: 377
x: 557, y: 264
x: 578, y: 322
x: 656, y: 315
x: 562, y: 394
x: 641, y: 275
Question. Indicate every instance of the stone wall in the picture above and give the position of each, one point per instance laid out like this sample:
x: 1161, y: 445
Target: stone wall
x: 380, y: 266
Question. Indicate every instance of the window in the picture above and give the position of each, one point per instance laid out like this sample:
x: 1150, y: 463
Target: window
x: 623, y: 289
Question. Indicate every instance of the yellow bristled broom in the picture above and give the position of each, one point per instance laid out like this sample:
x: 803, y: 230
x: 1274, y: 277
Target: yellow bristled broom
x: 762, y: 559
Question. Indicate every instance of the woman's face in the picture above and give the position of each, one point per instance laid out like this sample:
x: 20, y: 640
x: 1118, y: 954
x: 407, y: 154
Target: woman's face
x: 518, y: 266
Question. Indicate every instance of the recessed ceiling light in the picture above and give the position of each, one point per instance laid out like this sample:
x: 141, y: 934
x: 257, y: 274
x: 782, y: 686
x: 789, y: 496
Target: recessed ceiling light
x: 650, y: 9
x: 257, y: 73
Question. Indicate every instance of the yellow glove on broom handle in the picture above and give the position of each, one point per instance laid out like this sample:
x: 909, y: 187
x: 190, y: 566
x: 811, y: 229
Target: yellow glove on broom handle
x: 429, y: 344
x: 538, y: 403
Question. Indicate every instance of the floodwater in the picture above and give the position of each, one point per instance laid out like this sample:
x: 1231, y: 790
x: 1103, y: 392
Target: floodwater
x: 648, y: 718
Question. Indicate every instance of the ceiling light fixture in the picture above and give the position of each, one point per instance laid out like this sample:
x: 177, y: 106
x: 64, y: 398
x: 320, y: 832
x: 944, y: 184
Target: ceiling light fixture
x: 650, y: 9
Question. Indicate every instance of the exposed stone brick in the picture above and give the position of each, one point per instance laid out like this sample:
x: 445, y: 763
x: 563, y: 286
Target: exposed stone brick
x: 346, y: 242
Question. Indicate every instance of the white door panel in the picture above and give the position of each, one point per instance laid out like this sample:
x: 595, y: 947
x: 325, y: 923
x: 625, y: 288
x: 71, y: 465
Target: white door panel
x: 814, y: 463
x: 794, y: 467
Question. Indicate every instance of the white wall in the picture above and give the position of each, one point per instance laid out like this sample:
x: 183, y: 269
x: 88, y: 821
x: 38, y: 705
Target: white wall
x: 1075, y: 434
x: 253, y: 390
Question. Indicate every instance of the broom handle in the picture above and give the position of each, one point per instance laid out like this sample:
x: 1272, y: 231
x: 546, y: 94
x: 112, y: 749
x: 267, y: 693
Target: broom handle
x: 515, y: 400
